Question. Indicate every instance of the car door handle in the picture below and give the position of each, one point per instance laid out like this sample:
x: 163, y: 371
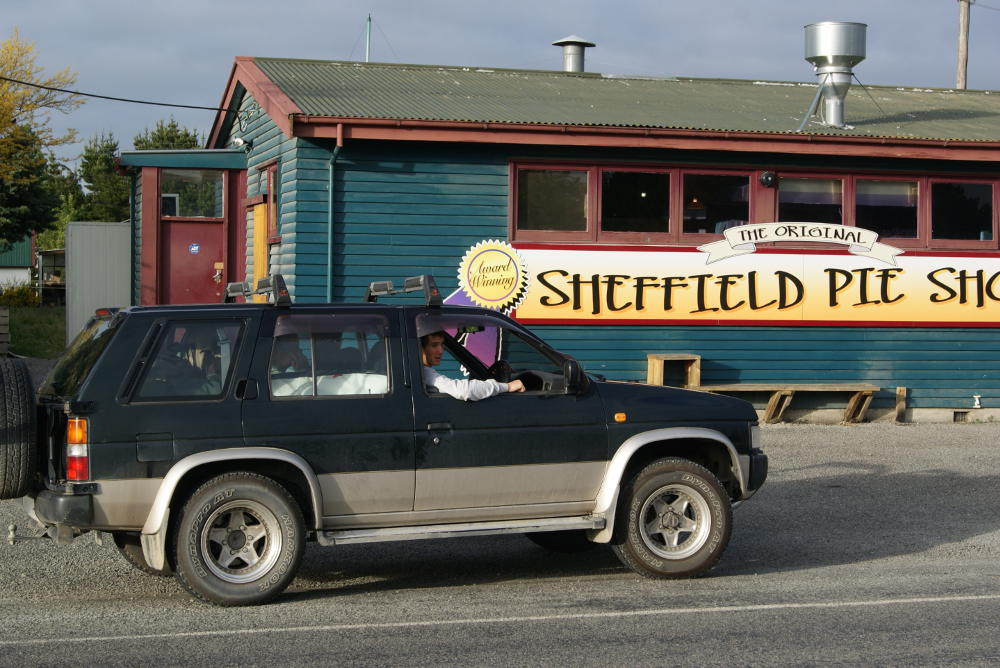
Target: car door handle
x: 246, y: 389
x: 439, y: 426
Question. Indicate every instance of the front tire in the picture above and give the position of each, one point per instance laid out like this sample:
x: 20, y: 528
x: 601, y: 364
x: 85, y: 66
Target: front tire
x: 674, y: 520
x: 239, y: 540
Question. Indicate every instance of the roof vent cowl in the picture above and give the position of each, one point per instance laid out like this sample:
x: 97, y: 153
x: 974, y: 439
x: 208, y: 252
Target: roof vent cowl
x: 572, y: 48
x: 834, y: 48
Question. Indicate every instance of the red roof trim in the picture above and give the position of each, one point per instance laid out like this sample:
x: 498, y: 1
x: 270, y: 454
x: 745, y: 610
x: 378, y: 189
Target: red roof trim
x: 272, y: 100
x: 566, y: 135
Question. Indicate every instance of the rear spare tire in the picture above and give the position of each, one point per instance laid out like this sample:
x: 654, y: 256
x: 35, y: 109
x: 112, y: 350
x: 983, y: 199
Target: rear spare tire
x: 17, y: 429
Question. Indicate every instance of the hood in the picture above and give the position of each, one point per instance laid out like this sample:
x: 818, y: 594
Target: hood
x: 654, y: 403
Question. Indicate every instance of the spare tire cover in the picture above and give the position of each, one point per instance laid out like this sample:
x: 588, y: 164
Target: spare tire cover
x: 17, y: 429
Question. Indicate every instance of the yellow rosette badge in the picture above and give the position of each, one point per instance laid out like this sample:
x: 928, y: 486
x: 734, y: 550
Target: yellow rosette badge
x: 492, y: 274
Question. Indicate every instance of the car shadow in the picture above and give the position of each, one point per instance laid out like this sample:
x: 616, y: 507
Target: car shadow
x: 866, y: 513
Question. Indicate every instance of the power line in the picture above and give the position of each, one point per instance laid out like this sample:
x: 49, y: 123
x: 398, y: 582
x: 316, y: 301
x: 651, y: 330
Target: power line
x: 113, y: 99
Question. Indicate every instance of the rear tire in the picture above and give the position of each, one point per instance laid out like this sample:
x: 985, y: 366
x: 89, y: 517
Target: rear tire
x: 674, y: 520
x: 17, y: 429
x: 130, y: 547
x: 239, y: 540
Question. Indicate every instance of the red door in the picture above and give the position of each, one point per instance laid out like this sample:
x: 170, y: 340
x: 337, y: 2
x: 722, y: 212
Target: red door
x: 191, y: 262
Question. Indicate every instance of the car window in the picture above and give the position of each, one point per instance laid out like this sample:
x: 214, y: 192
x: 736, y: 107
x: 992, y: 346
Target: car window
x: 191, y: 360
x: 488, y: 339
x: 329, y: 355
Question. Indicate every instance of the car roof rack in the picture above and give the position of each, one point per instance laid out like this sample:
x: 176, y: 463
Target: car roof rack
x: 432, y: 296
x: 273, y: 286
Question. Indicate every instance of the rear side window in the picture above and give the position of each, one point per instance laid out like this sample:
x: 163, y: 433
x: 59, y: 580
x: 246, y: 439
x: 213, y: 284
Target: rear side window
x: 73, y: 367
x: 191, y: 359
x: 329, y: 355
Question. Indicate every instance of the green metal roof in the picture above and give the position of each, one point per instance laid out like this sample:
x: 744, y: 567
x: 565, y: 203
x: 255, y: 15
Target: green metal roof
x: 420, y: 92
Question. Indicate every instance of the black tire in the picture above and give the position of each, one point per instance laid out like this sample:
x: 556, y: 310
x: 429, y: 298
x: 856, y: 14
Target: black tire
x: 564, y: 542
x: 131, y: 550
x: 239, y: 540
x: 17, y: 421
x: 674, y: 520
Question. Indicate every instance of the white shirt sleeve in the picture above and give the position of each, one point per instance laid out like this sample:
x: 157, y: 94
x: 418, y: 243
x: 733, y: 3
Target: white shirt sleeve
x: 467, y: 390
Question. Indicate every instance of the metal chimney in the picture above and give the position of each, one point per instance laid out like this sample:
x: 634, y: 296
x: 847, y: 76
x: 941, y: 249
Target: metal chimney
x: 834, y: 48
x: 572, y: 48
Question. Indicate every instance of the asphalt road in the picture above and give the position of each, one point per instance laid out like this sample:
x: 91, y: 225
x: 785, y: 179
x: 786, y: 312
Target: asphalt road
x: 870, y: 545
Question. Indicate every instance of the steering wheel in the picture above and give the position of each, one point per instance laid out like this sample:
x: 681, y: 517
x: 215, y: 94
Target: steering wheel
x: 501, y: 371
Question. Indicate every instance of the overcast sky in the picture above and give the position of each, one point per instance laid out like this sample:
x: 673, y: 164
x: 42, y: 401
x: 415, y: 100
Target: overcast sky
x: 181, y: 51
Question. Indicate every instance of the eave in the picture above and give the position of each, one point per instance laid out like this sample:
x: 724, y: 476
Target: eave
x: 326, y: 127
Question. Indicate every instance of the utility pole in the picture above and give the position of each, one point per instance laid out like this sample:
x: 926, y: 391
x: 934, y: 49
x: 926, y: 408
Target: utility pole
x: 963, y: 43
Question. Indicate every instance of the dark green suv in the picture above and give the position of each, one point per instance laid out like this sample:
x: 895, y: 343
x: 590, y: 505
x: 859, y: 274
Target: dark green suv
x: 214, y: 441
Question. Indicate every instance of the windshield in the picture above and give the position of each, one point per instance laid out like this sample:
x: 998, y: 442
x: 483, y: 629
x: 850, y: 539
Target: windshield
x: 66, y: 377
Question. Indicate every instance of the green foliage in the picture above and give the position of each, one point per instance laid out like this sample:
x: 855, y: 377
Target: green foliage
x: 27, y: 196
x: 167, y: 135
x: 107, y: 190
x: 18, y: 294
x: 66, y: 184
x: 38, y: 331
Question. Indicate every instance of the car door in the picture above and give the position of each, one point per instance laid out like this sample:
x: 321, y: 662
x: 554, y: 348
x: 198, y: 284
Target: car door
x: 541, y: 452
x: 329, y: 388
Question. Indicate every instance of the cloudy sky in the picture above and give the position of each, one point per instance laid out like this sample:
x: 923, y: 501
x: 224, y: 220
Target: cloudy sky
x: 181, y: 51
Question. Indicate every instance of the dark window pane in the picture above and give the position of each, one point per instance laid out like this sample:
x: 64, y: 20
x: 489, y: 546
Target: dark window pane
x: 191, y: 193
x: 887, y: 207
x: 635, y: 202
x: 550, y: 199
x: 715, y: 202
x: 810, y: 200
x: 962, y: 211
x: 192, y: 360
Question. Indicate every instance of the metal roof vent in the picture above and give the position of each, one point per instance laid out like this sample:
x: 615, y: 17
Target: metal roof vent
x: 833, y: 48
x: 572, y: 48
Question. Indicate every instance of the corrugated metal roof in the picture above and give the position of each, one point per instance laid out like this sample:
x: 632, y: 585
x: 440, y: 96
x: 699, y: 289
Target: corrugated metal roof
x: 421, y: 92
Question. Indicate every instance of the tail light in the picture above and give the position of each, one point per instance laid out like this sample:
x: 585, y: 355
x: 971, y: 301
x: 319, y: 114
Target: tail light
x: 77, y: 449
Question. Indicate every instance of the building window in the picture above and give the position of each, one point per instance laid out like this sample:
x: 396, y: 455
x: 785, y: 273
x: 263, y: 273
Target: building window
x: 886, y: 207
x: 808, y: 200
x: 962, y: 211
x: 191, y: 193
x: 635, y: 202
x: 552, y: 200
x: 715, y: 202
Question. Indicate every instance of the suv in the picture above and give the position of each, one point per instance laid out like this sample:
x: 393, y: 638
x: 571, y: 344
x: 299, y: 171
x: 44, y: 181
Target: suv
x: 214, y: 441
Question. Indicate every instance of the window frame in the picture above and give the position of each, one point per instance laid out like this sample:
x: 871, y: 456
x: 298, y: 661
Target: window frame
x: 192, y: 219
x: 762, y: 203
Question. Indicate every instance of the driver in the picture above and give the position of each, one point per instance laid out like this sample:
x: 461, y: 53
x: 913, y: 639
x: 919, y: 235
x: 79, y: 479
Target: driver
x: 431, y: 349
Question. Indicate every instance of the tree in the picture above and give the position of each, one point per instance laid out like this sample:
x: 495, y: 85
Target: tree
x: 27, y: 107
x: 167, y: 135
x: 66, y: 186
x: 107, y: 193
x: 27, y: 195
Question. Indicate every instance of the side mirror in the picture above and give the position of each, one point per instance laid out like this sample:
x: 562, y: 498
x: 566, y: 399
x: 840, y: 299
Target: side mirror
x: 576, y: 380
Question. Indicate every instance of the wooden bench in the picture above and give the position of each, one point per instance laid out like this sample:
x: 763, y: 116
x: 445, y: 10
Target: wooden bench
x: 782, y: 393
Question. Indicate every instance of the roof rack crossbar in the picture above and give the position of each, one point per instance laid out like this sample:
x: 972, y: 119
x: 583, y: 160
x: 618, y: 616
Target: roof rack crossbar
x: 273, y: 286
x: 425, y: 282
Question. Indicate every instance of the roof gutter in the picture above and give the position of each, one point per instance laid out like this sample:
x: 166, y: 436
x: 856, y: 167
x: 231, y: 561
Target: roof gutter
x: 319, y: 127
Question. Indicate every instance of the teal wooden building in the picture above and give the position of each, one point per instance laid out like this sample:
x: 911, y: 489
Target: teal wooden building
x: 858, y: 254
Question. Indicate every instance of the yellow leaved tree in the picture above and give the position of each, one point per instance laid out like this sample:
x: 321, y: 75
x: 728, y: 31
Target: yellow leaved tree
x: 27, y: 98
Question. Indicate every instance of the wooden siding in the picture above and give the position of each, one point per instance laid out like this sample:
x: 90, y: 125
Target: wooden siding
x: 941, y: 367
